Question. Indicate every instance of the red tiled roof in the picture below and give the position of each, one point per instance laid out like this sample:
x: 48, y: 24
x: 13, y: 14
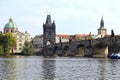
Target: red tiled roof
x: 66, y: 36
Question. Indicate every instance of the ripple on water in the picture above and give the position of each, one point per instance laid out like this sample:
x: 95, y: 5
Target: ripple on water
x: 62, y: 68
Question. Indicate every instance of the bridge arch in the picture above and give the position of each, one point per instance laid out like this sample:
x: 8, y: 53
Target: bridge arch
x: 66, y: 47
x: 80, y: 50
x: 100, y: 49
x: 100, y: 45
x: 66, y: 50
x: 80, y: 45
x: 55, y: 49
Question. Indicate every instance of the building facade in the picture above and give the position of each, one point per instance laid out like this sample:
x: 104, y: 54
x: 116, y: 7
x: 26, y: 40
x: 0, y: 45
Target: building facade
x: 62, y: 37
x: 11, y: 27
x: 38, y: 41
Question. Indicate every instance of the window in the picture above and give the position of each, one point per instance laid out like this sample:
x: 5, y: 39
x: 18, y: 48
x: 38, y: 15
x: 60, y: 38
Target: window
x: 20, y: 40
x: 20, y: 44
x: 6, y: 30
x: 20, y: 48
x: 15, y: 48
x: 20, y: 36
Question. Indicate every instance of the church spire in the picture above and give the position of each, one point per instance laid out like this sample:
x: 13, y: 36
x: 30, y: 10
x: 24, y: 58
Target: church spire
x: 48, y: 20
x: 102, y: 22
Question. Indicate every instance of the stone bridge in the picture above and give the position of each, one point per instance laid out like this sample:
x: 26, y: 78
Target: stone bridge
x: 101, y: 47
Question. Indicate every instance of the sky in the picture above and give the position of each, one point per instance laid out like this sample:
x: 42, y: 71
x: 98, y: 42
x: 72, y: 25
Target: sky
x: 71, y: 16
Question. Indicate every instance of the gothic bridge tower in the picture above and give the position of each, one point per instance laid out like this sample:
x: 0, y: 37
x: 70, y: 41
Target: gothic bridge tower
x: 102, y: 31
x: 49, y: 32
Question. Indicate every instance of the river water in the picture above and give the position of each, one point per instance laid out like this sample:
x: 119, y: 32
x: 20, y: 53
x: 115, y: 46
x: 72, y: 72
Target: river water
x: 60, y: 68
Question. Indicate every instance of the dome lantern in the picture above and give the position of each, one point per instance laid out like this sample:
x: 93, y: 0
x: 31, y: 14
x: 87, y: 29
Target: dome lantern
x: 10, y: 20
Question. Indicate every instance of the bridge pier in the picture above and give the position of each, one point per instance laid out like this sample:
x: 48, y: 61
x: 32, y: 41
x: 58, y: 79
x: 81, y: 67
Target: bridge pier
x: 100, y: 52
x: 80, y: 52
x: 88, y: 51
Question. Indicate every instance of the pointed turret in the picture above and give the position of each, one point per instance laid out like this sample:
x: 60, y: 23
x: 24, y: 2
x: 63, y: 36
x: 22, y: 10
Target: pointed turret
x: 102, y: 22
x: 48, y: 20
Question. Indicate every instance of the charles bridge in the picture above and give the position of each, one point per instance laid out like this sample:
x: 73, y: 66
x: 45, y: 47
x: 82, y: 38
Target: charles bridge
x: 100, y: 47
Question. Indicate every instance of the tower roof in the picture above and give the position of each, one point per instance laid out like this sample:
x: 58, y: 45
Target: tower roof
x: 10, y: 24
x: 48, y: 20
x: 102, y: 23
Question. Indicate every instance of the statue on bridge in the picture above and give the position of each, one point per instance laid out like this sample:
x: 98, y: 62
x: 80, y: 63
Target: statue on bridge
x: 112, y: 33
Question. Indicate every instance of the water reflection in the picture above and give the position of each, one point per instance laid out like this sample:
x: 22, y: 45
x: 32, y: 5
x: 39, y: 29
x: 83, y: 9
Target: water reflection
x: 25, y: 68
x: 48, y: 69
x: 115, y: 69
x: 38, y: 68
x: 108, y: 69
x: 7, y: 70
x: 102, y: 68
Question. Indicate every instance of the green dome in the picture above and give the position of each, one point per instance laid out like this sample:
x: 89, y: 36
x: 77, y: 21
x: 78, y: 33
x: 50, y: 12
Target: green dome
x: 10, y: 24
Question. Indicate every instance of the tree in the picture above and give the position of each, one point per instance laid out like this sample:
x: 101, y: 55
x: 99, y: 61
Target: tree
x: 9, y: 42
x: 1, y: 39
x: 1, y: 44
x: 28, y: 48
x: 1, y: 50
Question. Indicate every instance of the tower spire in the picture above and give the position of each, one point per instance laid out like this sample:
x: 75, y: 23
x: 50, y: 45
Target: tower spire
x: 102, y: 22
x: 48, y: 20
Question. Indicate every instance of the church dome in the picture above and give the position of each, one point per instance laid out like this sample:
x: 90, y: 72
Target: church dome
x: 10, y: 24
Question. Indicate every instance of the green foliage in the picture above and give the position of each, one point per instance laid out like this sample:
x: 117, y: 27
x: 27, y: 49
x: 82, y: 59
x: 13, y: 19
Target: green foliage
x: 7, y: 43
x: 80, y: 39
x: 115, y: 46
x: 1, y: 50
x: 28, y: 48
x: 1, y: 39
